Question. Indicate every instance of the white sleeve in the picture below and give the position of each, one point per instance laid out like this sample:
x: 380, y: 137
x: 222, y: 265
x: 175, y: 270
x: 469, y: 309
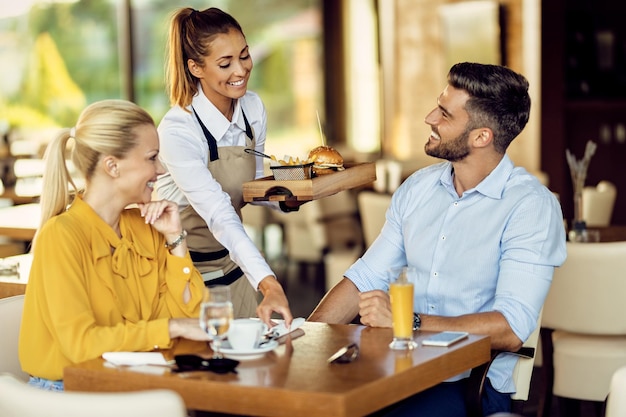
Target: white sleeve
x: 185, y: 158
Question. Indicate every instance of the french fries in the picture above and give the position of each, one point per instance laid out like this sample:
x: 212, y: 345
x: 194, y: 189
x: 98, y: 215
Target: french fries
x: 291, y: 161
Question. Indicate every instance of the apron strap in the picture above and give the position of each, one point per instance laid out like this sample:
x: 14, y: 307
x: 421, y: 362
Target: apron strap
x: 248, y: 128
x: 207, y: 256
x: 209, y: 138
x: 213, y: 154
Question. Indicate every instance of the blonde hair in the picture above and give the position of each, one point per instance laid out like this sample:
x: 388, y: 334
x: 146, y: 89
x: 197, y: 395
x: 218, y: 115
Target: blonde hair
x: 190, y: 35
x: 105, y: 127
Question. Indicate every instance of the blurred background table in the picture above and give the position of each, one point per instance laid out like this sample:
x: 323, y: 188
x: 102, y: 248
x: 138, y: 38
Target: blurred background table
x: 20, y: 222
x: 14, y: 283
x: 614, y: 233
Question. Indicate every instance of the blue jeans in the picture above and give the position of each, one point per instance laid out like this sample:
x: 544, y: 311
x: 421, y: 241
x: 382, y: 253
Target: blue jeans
x: 446, y: 400
x: 45, y: 384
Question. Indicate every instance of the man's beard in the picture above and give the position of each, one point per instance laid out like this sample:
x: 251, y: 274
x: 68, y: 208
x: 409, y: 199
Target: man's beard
x: 452, y: 151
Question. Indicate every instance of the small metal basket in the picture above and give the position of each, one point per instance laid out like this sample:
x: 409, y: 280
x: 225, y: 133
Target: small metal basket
x: 292, y: 172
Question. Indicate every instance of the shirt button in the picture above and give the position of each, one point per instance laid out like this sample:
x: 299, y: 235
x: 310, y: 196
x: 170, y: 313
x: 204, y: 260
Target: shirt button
x: 443, y: 237
x: 456, y: 203
x: 156, y: 347
x: 436, y: 274
x: 186, y: 270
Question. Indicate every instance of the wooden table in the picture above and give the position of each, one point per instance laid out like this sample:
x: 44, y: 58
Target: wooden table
x: 15, y: 284
x: 295, y: 379
x: 613, y: 233
x: 20, y: 222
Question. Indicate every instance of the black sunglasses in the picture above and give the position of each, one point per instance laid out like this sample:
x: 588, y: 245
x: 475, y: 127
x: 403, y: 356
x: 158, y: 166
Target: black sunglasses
x: 187, y: 363
x: 346, y: 354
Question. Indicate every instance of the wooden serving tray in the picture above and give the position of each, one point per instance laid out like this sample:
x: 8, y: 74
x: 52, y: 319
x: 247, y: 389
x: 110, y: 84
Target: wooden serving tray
x: 268, y: 189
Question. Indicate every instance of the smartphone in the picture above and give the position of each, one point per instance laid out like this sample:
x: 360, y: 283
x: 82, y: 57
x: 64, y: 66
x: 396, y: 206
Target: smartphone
x: 445, y: 338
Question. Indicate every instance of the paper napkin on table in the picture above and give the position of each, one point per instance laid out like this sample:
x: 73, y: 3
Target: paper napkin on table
x: 135, y: 358
x: 280, y: 329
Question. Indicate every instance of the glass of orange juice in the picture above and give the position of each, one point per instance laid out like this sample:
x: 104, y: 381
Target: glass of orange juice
x: 401, y: 295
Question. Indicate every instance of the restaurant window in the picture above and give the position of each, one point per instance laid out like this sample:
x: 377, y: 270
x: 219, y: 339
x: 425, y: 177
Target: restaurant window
x: 65, y: 54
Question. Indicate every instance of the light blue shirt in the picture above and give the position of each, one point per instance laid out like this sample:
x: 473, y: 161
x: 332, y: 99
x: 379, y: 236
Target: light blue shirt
x: 492, y: 249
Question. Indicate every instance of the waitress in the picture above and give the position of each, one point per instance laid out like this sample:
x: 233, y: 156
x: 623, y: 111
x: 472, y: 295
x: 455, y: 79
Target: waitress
x: 203, y: 136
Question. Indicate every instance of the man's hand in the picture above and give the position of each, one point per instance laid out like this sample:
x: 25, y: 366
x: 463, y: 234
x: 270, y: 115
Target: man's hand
x: 375, y: 308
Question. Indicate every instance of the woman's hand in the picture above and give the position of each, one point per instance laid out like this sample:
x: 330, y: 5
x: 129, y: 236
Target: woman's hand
x: 274, y: 300
x: 163, y: 215
x: 187, y: 328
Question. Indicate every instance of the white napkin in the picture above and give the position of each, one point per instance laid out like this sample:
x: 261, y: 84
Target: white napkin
x: 135, y: 358
x: 280, y: 329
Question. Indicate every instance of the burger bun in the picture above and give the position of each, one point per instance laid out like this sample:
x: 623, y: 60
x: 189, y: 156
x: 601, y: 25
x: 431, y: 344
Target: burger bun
x: 326, y: 160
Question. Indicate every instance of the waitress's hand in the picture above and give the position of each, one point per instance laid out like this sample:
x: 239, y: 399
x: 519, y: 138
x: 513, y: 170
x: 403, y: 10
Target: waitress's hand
x: 274, y: 300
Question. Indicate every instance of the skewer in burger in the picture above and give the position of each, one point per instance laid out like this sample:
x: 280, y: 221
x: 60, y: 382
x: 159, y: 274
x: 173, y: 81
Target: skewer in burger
x: 326, y: 160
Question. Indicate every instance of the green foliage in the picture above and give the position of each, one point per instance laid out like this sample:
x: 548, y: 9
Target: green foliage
x: 270, y: 78
x: 71, y: 51
x: 25, y: 116
x: 47, y: 86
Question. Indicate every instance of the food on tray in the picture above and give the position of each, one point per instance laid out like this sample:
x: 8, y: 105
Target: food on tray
x: 290, y: 161
x: 326, y: 160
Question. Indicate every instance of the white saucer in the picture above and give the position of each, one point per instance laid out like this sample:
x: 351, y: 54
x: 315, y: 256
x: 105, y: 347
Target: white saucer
x: 243, y: 355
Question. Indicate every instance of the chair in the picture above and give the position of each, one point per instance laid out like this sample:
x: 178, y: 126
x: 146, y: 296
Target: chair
x: 598, y: 203
x: 19, y: 399
x: 10, y: 319
x: 372, y: 208
x: 522, y: 376
x: 583, y: 335
x: 616, y: 403
x: 330, y: 224
x: 337, y: 262
x: 256, y: 219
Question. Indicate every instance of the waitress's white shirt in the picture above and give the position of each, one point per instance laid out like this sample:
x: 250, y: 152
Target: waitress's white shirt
x: 184, y: 153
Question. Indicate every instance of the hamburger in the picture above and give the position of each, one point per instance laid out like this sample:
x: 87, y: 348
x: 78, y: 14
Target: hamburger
x: 326, y: 160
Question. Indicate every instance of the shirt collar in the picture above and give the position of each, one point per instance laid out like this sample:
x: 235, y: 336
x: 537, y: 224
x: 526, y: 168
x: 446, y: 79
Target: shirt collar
x: 493, y: 184
x: 104, y: 238
x: 212, y: 118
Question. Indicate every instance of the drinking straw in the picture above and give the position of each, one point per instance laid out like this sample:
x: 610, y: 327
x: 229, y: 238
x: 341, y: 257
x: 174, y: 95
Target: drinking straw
x: 319, y: 124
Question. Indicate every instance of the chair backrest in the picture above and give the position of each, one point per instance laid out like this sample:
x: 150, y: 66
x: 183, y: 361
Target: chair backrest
x: 587, y: 291
x: 522, y: 374
x: 323, y: 225
x: 616, y: 403
x: 523, y: 371
x: 372, y: 208
x: 598, y: 203
x: 19, y: 399
x: 10, y: 320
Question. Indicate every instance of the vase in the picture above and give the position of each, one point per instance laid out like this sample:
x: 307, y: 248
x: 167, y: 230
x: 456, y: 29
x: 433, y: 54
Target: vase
x: 578, y: 232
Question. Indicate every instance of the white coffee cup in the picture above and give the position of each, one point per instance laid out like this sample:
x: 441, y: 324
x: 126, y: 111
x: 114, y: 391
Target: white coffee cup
x: 245, y: 334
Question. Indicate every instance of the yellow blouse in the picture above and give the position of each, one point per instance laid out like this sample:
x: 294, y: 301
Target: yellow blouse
x: 90, y: 292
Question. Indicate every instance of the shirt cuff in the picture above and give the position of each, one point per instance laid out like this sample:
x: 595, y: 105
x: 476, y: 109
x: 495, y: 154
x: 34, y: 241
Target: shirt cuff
x: 161, y: 329
x: 183, y: 265
x: 286, y: 209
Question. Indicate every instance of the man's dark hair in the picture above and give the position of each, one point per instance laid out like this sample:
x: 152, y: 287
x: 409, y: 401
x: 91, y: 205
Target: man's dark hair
x: 498, y: 99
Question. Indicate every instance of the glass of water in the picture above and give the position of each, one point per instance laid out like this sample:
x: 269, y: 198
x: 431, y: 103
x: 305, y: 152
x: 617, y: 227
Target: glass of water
x: 216, y: 314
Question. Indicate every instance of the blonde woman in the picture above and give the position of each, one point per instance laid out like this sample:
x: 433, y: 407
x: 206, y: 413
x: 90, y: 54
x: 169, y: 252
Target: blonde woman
x: 203, y: 136
x: 105, y: 277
